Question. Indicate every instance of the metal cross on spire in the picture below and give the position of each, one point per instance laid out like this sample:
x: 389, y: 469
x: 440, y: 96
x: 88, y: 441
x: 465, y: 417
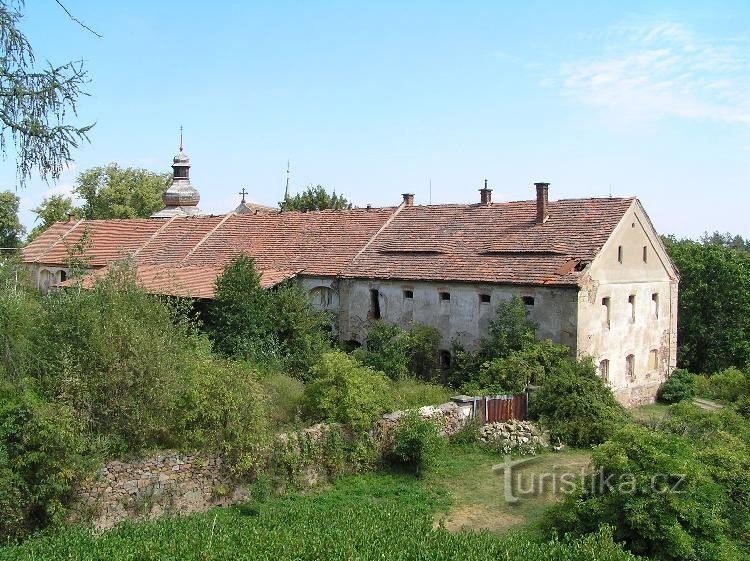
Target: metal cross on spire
x: 243, y: 193
x: 180, y: 138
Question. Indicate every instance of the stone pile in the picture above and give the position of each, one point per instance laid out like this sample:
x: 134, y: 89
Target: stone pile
x: 514, y: 436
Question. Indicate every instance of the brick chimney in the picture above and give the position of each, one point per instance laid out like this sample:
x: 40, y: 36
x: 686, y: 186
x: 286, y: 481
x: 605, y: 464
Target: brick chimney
x: 485, y: 194
x: 408, y: 199
x: 542, y: 202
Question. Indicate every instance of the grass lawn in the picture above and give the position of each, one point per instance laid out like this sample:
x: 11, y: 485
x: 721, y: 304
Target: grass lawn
x: 368, y: 517
x: 478, y: 491
x: 650, y: 412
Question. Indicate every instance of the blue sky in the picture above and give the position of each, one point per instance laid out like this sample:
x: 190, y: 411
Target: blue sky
x: 374, y: 99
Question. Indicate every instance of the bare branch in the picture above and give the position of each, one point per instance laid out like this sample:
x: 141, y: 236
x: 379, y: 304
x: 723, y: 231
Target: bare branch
x: 75, y: 19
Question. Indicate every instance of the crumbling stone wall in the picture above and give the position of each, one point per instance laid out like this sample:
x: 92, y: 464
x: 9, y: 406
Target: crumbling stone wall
x: 173, y: 483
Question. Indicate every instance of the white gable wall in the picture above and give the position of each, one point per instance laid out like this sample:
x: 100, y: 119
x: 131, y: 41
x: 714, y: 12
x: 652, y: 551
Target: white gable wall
x: 638, y: 325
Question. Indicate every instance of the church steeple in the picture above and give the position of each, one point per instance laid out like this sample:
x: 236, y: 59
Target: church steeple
x: 181, y: 199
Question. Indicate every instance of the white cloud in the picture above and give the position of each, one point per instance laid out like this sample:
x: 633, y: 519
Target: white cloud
x: 661, y: 71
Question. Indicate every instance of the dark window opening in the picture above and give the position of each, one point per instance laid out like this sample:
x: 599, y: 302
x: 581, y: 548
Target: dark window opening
x: 374, y: 303
x: 63, y: 276
x: 484, y: 298
x: 528, y: 300
x: 408, y: 294
x: 655, y: 303
x: 444, y: 359
x: 351, y: 345
x: 645, y: 254
x: 631, y: 303
x: 445, y: 296
x: 605, y: 304
x: 619, y: 253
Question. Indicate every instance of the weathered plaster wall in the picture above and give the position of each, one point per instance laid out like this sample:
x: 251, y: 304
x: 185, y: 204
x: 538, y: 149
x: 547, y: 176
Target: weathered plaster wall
x: 636, y: 324
x: 464, y: 318
x: 45, y: 276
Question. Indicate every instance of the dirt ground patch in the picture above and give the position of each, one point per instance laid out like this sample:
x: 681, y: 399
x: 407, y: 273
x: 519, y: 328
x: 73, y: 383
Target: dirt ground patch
x: 477, y: 517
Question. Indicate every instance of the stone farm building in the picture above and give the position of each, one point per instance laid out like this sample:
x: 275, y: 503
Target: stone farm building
x: 593, y: 272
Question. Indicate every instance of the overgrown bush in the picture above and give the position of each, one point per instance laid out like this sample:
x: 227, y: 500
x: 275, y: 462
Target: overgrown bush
x: 576, y: 406
x: 416, y: 443
x: 680, y: 385
x: 728, y: 386
x: 276, y: 326
x: 658, y: 494
x: 399, y: 352
x: 509, y: 358
x: 344, y: 391
x: 43, y: 453
x: 409, y: 393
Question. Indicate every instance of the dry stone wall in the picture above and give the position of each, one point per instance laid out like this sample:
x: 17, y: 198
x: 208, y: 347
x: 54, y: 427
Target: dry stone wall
x: 173, y: 483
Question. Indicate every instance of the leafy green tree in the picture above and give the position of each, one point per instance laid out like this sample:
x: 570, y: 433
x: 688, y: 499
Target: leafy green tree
x: 277, y: 327
x: 315, y: 198
x: 35, y: 103
x: 52, y: 209
x: 114, y: 192
x: 417, y: 443
x: 11, y: 229
x: 241, y: 317
x: 713, y: 330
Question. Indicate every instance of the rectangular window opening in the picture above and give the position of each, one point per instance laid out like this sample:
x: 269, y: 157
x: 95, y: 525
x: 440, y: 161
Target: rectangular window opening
x: 631, y: 304
x: 444, y: 359
x: 655, y: 304
x: 528, y: 300
x: 484, y: 298
x: 645, y: 254
x: 375, y: 303
x: 630, y: 367
x: 604, y: 370
x: 408, y: 294
x: 619, y: 254
x: 445, y: 296
x: 605, y: 304
x: 653, y: 360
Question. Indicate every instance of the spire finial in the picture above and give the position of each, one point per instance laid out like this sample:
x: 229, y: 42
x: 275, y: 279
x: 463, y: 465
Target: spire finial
x: 180, y: 138
x: 286, y: 191
x: 243, y: 193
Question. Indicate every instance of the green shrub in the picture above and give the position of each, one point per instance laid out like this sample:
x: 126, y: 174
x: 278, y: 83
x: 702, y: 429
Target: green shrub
x: 655, y: 490
x: 576, y: 406
x: 680, y: 385
x: 386, y: 350
x: 509, y: 358
x: 416, y: 443
x: 285, y: 393
x: 728, y: 385
x: 398, y: 352
x: 42, y: 456
x: 221, y: 406
x: 344, y: 391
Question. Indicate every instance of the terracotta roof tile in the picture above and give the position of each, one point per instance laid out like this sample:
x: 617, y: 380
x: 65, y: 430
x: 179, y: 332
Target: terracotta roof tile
x: 497, y: 243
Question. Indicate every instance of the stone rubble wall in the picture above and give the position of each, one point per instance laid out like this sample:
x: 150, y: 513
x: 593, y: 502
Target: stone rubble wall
x: 169, y: 483
x: 173, y: 483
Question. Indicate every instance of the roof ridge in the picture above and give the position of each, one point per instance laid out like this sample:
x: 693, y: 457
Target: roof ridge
x: 209, y: 234
x: 154, y: 236
x: 58, y: 240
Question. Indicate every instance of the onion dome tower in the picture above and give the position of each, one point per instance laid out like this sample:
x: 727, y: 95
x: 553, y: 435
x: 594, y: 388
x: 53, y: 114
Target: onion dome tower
x: 181, y: 198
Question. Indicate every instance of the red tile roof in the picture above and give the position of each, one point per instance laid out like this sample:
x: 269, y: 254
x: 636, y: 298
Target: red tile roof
x: 497, y: 243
